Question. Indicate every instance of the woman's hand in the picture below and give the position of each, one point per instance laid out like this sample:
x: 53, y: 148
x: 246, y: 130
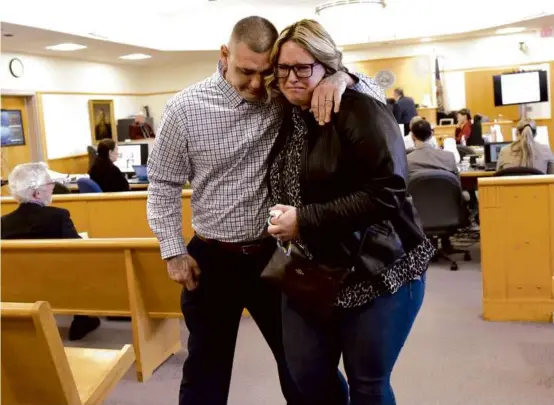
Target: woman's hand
x: 285, y: 226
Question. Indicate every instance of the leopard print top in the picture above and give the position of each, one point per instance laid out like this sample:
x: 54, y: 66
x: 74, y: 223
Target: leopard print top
x: 284, y: 177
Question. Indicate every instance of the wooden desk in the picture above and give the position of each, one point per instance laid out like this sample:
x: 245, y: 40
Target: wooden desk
x: 429, y: 113
x: 477, y: 173
x: 133, y: 186
x: 517, y: 247
x: 441, y: 132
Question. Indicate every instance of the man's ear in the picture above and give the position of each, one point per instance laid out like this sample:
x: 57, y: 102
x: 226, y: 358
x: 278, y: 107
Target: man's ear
x: 224, y: 56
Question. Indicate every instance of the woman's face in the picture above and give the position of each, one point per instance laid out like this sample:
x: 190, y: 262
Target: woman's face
x: 298, y: 90
x: 114, y: 154
x: 462, y: 119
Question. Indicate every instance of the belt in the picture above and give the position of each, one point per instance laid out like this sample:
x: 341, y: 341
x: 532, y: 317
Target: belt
x: 245, y: 248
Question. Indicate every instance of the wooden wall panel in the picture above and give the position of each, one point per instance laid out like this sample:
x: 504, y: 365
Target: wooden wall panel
x: 70, y: 165
x: 517, y: 250
x: 12, y: 156
x: 413, y: 74
x: 480, y: 95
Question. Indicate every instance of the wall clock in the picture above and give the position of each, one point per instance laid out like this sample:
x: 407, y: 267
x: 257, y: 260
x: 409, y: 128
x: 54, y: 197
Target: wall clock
x: 16, y: 67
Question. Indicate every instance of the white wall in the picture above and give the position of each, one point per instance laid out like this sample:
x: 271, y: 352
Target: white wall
x: 57, y: 74
x: 178, y: 76
x: 67, y: 122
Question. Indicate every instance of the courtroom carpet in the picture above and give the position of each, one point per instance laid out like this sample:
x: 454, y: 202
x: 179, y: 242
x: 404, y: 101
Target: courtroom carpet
x: 452, y: 357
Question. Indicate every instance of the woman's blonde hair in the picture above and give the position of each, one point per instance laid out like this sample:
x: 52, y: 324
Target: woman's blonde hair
x: 311, y: 36
x: 525, y: 144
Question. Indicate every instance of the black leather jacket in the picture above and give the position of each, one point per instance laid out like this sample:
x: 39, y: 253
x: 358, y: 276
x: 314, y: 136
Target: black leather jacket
x: 353, y: 186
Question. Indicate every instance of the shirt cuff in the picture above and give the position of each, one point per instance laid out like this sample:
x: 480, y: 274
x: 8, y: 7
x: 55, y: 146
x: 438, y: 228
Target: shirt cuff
x: 173, y: 247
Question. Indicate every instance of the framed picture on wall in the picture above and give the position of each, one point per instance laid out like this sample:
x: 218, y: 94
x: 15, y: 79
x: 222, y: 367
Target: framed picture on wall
x: 102, y: 120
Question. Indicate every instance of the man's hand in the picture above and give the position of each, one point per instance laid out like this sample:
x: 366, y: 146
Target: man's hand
x: 327, y: 94
x: 184, y: 270
x: 285, y: 226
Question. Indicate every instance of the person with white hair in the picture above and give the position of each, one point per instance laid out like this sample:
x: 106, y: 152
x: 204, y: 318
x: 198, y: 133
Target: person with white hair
x: 140, y: 129
x: 31, y: 185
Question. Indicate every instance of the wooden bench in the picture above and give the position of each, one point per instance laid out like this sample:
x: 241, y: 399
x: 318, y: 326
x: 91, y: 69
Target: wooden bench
x: 37, y: 370
x: 517, y: 247
x: 101, y: 277
x: 110, y: 215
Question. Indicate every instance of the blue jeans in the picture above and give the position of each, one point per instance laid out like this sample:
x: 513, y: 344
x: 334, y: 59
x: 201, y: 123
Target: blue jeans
x: 369, y: 338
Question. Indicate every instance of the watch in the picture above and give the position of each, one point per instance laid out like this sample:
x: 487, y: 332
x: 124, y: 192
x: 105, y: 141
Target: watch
x: 16, y: 67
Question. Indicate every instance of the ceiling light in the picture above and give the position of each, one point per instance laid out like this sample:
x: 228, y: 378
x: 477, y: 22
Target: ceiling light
x: 135, y: 56
x: 332, y: 15
x: 425, y: 39
x: 66, y: 47
x: 510, y: 30
x: 341, y: 3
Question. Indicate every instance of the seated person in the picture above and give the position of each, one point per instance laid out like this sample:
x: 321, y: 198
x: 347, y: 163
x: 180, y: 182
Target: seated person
x: 476, y: 136
x: 464, y: 127
x: 31, y: 186
x: 409, y: 139
x: 525, y: 151
x: 104, y: 172
x: 425, y: 157
x: 140, y: 129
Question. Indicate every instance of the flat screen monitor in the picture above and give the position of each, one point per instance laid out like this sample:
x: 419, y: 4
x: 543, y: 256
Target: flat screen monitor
x: 492, y: 151
x: 133, y: 154
x: 12, y: 128
x: 520, y: 88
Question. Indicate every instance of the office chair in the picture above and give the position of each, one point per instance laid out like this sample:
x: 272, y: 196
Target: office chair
x: 463, y: 151
x: 92, y: 154
x: 518, y: 171
x: 60, y: 189
x: 86, y: 185
x: 437, y: 196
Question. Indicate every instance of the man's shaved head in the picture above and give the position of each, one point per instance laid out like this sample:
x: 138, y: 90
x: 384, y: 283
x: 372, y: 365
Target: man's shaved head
x: 255, y: 32
x: 245, y: 60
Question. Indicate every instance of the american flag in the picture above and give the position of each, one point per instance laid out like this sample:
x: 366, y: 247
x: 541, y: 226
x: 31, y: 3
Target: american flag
x: 438, y: 82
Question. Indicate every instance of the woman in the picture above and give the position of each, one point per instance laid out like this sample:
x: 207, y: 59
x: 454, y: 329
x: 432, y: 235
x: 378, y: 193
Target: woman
x: 104, y: 172
x: 525, y: 151
x: 463, y: 129
x: 476, y: 136
x: 332, y: 182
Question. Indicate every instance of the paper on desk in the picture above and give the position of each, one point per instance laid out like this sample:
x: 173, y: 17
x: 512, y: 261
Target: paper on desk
x: 57, y: 176
x: 84, y: 235
x: 542, y: 135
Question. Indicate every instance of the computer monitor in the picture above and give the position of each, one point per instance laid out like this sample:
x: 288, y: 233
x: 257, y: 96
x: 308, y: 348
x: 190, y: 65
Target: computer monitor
x: 132, y: 154
x: 492, y: 151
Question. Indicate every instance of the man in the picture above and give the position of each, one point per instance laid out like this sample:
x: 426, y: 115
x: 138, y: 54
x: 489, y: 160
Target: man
x: 409, y: 143
x: 140, y: 129
x: 404, y: 109
x: 31, y: 185
x: 425, y: 156
x: 218, y: 135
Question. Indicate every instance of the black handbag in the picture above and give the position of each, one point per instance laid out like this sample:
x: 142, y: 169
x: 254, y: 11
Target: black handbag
x: 312, y: 286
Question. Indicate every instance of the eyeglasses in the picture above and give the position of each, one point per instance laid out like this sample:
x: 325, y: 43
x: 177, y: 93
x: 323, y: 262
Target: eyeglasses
x: 302, y: 71
x: 37, y: 186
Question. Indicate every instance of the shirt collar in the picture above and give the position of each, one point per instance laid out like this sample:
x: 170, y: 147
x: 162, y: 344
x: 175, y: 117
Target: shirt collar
x: 424, y: 145
x: 229, y: 92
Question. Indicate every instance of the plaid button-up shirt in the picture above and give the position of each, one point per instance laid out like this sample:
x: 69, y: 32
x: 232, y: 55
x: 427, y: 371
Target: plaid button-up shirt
x: 209, y: 135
